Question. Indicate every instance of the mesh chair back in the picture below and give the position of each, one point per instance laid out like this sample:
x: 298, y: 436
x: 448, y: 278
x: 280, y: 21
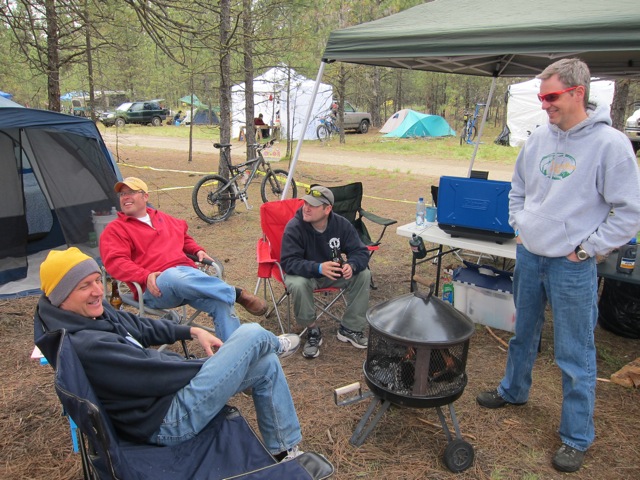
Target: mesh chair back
x: 348, y: 204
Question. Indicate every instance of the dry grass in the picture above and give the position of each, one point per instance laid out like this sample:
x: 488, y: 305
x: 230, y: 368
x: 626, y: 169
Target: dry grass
x: 511, y: 443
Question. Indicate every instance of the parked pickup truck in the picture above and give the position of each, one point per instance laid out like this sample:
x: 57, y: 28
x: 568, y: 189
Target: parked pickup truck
x: 353, y: 120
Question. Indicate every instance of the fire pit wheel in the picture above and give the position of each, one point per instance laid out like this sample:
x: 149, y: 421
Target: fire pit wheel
x: 458, y: 456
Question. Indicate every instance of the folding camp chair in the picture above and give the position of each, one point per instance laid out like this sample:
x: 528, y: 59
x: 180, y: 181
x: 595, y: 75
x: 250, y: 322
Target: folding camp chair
x: 348, y: 203
x: 179, y: 313
x: 226, y: 448
x: 274, y: 217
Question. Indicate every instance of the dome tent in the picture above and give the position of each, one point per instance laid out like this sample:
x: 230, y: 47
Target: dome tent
x: 416, y: 124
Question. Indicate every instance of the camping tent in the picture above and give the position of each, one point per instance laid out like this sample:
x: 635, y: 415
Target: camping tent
x: 5, y: 94
x: 494, y: 38
x: 416, y: 124
x: 54, y: 171
x: 5, y: 102
x: 394, y: 121
x: 524, y: 113
x: 270, y: 99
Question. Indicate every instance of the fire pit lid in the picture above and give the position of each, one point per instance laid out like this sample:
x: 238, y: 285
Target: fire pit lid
x: 420, y: 318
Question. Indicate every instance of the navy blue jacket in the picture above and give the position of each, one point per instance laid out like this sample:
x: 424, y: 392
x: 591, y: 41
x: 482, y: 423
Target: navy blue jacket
x: 304, y: 248
x: 135, y: 384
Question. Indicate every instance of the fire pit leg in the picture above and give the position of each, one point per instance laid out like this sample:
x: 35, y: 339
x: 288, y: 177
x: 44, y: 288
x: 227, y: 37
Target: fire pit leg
x: 359, y: 436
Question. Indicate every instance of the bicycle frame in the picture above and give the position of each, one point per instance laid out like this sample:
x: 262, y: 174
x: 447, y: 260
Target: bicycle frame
x: 237, y: 172
x: 470, y: 124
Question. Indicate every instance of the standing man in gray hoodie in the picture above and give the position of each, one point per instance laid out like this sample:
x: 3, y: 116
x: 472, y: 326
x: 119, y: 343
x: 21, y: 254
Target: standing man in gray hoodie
x: 568, y: 178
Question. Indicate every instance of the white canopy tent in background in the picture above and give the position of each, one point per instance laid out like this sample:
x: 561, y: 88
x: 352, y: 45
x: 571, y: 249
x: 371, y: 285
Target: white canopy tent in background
x: 502, y: 38
x: 270, y: 100
x: 524, y: 111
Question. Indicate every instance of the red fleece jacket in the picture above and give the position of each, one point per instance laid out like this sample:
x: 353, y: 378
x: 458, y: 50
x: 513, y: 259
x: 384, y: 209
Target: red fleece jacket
x: 131, y: 249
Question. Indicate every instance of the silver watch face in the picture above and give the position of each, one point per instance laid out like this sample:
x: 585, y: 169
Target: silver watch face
x: 582, y: 255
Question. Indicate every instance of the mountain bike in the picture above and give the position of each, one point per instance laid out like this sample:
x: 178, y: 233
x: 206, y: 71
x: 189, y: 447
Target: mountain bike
x: 469, y: 128
x: 214, y: 197
x: 327, y: 128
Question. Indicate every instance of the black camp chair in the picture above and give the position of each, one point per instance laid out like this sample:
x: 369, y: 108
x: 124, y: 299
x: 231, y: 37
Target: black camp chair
x: 226, y: 448
x: 348, y: 203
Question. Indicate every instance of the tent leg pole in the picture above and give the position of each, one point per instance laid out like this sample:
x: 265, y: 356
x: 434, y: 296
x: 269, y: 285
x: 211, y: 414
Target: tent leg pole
x: 484, y: 119
x: 307, y: 117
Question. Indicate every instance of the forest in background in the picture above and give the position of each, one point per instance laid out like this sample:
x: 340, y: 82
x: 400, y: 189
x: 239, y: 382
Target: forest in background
x: 168, y: 49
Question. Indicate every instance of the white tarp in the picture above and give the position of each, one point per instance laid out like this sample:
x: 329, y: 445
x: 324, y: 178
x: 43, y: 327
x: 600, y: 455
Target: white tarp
x: 270, y: 99
x: 524, y: 110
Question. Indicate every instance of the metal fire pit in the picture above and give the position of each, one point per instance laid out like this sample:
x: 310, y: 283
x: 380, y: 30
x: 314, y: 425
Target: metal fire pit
x: 416, y: 358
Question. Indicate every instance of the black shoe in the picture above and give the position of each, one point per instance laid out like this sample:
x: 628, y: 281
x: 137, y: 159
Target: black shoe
x: 311, y: 347
x: 493, y: 400
x: 567, y: 459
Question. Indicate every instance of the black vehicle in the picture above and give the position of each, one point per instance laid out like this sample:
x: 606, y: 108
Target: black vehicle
x: 144, y: 113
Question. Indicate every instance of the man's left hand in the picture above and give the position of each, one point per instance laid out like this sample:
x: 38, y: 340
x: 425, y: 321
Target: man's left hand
x: 206, y: 340
x: 202, y: 255
x: 347, y: 271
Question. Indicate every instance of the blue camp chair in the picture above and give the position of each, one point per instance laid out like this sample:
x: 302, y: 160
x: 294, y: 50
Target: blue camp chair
x: 226, y: 448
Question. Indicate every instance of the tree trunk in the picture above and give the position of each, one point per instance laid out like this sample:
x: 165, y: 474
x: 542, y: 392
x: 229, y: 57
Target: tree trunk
x: 87, y: 32
x: 225, y: 81
x: 619, y: 104
x: 249, y: 108
x: 53, y: 63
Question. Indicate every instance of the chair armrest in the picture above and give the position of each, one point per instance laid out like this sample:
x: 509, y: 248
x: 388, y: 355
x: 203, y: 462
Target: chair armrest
x: 217, y: 265
x: 377, y: 219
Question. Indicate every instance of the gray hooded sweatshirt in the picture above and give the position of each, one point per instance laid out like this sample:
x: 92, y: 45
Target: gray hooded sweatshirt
x: 565, y: 185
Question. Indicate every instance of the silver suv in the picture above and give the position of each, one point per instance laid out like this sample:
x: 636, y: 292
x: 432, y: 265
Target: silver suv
x: 353, y: 120
x: 632, y: 130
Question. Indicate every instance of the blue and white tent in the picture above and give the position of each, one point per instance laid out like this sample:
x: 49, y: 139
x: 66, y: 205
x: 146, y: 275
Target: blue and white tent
x: 416, y: 124
x: 54, y: 170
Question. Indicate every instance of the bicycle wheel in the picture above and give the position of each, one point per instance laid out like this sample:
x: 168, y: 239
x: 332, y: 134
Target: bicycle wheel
x: 213, y: 199
x: 273, y: 185
x: 473, y: 134
x: 323, y: 133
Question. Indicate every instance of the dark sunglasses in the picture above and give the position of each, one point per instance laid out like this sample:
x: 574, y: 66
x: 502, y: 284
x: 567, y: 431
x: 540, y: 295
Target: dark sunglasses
x: 553, y: 96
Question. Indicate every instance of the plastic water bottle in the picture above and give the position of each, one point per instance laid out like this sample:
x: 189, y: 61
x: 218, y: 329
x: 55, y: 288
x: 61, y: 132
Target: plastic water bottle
x: 627, y: 257
x: 421, y: 212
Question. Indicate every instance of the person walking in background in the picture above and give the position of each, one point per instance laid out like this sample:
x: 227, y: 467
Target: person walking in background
x: 150, y: 247
x: 568, y: 177
x: 307, y: 245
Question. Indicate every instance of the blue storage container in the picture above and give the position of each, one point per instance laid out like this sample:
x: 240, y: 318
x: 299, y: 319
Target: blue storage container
x: 475, y: 208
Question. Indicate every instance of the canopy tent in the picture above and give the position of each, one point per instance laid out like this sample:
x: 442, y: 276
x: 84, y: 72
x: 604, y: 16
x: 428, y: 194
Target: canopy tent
x: 494, y: 38
x: 523, y: 107
x: 416, y: 124
x: 54, y: 171
x: 270, y: 99
x: 187, y: 99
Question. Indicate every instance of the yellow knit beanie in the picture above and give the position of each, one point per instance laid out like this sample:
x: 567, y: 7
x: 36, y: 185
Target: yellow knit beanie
x: 61, y: 272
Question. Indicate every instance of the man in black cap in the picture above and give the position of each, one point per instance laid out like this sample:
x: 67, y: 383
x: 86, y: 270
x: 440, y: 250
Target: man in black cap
x: 310, y: 239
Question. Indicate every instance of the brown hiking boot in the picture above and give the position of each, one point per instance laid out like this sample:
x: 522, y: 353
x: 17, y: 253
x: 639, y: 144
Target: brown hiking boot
x: 254, y: 305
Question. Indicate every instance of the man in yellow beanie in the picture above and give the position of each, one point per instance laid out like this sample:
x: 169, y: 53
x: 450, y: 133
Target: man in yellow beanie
x: 156, y: 396
x: 150, y: 247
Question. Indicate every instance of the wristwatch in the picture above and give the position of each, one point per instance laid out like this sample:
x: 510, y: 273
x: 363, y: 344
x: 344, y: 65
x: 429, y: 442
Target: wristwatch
x: 581, y: 253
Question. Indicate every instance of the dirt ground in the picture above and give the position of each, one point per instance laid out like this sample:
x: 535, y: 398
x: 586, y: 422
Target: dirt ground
x: 510, y: 443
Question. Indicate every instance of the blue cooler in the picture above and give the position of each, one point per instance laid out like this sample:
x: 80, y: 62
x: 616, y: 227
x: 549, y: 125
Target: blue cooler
x: 475, y: 208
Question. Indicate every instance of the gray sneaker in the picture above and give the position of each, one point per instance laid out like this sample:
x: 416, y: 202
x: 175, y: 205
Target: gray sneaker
x: 289, y: 343
x: 357, y: 339
x: 314, y: 340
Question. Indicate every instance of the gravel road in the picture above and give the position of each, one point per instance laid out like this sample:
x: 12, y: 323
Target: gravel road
x: 316, y: 153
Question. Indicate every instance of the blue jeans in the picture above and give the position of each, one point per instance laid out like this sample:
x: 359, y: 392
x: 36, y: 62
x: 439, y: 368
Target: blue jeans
x: 180, y: 285
x: 246, y: 360
x: 571, y: 289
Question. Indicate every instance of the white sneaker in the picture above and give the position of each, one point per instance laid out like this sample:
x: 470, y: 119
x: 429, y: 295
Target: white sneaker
x: 289, y: 343
x: 292, y: 453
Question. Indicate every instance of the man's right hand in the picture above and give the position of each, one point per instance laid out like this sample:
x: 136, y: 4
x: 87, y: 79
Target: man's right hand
x: 152, y: 287
x: 331, y: 270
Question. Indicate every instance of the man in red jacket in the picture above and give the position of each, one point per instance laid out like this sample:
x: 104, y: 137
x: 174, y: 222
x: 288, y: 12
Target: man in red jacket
x: 150, y: 247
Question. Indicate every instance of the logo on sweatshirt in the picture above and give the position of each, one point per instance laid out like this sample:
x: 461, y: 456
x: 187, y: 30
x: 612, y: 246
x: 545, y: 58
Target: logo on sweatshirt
x: 334, y: 243
x: 557, y: 165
